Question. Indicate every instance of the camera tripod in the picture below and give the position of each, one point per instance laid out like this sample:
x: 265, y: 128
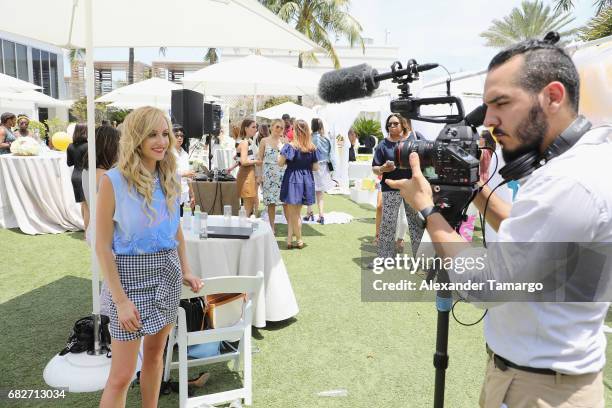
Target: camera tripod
x: 453, y: 202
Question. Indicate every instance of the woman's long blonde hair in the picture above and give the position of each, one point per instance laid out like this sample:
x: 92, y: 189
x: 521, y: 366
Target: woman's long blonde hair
x: 137, y: 126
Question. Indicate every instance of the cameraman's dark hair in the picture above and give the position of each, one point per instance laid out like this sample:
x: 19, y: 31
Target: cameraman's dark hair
x: 107, y: 148
x: 544, y: 63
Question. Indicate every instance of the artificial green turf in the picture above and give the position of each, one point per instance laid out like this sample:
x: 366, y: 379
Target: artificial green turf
x: 381, y: 353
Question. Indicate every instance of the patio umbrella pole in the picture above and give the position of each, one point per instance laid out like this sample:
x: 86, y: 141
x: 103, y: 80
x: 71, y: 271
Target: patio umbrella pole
x: 91, y: 152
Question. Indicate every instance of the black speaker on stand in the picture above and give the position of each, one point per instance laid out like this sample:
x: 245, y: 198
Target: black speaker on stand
x: 212, y: 127
x: 188, y: 110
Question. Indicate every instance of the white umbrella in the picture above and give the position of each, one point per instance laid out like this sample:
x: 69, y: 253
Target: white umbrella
x: 290, y: 108
x: 12, y: 84
x: 144, y: 23
x: 129, y: 104
x: 38, y: 98
x: 253, y: 75
x: 152, y: 92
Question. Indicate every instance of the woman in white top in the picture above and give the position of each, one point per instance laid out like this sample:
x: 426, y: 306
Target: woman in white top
x: 184, y: 169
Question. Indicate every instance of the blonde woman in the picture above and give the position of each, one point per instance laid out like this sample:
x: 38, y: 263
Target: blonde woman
x: 246, y: 182
x: 269, y: 149
x: 298, y: 186
x: 141, y: 251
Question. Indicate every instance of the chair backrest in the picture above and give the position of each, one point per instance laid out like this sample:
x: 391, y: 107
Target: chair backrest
x: 227, y: 284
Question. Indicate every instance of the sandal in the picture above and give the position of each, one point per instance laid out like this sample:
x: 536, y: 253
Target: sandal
x: 300, y: 244
x: 290, y: 245
x: 309, y: 217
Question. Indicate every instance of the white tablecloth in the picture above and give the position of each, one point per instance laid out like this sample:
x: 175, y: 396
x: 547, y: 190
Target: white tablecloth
x: 36, y: 194
x: 359, y: 170
x: 228, y: 257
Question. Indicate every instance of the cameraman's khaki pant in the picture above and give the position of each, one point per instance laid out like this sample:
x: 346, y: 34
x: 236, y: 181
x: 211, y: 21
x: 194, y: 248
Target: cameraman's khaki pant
x: 520, y: 389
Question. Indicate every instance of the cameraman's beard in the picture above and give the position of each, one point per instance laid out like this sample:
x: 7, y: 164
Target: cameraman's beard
x: 530, y: 133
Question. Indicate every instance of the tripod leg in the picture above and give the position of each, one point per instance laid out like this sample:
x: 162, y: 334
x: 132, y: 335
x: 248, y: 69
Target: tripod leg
x: 444, y: 302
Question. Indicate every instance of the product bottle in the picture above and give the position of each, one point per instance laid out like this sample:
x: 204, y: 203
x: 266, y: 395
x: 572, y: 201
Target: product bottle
x: 204, y: 226
x: 187, y: 220
x: 242, y: 216
x: 197, y: 216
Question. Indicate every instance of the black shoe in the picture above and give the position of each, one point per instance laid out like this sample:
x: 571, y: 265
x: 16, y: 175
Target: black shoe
x: 309, y: 217
x: 321, y: 220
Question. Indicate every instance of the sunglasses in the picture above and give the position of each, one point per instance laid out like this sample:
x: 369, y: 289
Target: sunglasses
x: 278, y: 127
x: 394, y: 124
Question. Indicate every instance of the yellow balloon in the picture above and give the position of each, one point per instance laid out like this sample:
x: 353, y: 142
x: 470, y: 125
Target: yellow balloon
x: 61, y: 140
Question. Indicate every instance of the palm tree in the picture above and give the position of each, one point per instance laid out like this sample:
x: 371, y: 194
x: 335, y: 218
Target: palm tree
x: 532, y: 20
x: 211, y: 56
x: 316, y: 19
x: 600, y: 26
x: 130, y: 77
x: 567, y: 5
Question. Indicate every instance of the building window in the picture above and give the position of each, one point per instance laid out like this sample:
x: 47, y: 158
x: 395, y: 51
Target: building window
x: 8, y: 51
x: 1, y: 59
x: 36, y: 67
x: 53, y: 75
x: 176, y: 76
x: 22, y: 62
x: 104, y: 81
x: 44, y: 68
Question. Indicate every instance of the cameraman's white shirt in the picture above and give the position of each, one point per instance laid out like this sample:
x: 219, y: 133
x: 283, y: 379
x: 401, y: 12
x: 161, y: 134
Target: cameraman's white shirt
x: 567, y: 200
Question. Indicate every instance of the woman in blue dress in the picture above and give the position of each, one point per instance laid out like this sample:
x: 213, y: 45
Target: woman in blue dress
x: 298, y: 186
x: 141, y: 250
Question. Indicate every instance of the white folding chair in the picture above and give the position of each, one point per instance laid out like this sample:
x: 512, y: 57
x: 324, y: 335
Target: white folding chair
x: 227, y: 284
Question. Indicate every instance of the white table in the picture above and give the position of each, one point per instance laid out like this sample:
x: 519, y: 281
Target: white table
x: 359, y: 170
x: 36, y: 194
x: 228, y: 257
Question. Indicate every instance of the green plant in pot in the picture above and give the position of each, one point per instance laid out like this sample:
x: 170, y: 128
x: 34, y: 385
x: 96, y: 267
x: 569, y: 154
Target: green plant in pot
x: 365, y: 127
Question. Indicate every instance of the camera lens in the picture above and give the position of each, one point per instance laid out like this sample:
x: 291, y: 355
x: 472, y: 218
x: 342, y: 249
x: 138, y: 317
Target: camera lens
x: 424, y: 148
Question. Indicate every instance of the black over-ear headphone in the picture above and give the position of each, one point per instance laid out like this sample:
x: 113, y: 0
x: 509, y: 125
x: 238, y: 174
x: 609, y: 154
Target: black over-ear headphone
x: 524, y: 165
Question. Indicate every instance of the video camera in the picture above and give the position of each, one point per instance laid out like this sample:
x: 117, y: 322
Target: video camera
x: 451, y: 162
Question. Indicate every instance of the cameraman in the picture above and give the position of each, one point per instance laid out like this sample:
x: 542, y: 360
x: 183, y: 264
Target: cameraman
x: 541, y: 354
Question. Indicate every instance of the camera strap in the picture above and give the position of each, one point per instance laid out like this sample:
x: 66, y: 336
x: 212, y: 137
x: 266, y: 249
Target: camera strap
x: 524, y: 165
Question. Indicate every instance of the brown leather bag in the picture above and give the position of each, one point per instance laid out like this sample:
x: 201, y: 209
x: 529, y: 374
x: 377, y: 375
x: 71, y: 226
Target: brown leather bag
x: 224, y: 309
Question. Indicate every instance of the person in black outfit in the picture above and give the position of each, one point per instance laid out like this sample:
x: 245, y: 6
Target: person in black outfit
x: 352, y: 135
x: 74, y: 155
x: 398, y: 129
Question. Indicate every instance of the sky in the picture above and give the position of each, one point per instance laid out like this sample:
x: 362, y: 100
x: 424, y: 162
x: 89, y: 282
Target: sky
x: 442, y: 31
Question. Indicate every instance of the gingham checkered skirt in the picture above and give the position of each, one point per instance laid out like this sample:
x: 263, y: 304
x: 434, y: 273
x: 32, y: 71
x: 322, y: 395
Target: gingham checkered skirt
x: 153, y: 283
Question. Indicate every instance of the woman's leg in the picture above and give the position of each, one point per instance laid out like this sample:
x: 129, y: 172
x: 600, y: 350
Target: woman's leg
x: 123, y: 365
x: 289, y: 217
x: 249, y: 204
x: 85, y: 213
x: 319, y: 195
x: 152, y: 366
x: 391, y: 201
x: 402, y: 227
x: 297, y: 225
x: 271, y: 215
x: 414, y: 227
x: 379, y: 211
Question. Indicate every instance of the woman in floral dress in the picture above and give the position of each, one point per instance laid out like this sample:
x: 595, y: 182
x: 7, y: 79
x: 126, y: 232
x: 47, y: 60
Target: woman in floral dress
x: 272, y: 177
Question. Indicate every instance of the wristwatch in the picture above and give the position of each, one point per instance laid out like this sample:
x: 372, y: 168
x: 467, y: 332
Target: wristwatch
x: 426, y: 212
